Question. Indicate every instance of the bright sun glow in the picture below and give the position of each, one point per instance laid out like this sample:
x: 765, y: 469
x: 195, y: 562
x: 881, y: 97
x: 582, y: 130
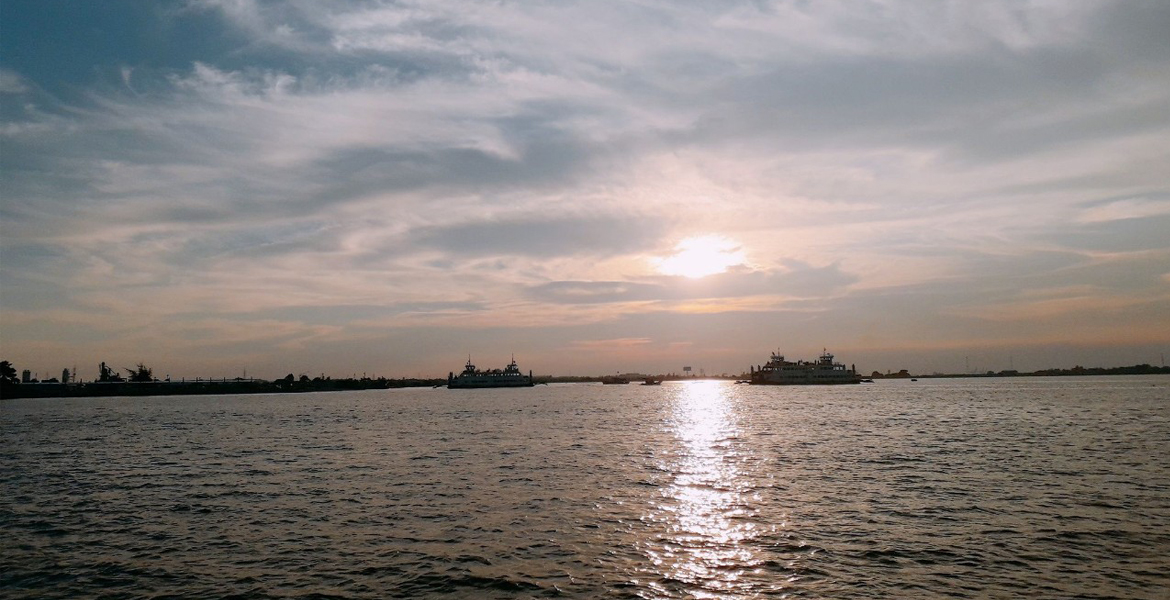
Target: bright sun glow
x: 700, y: 256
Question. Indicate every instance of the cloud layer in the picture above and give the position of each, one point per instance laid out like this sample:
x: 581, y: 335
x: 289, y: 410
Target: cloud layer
x: 384, y: 187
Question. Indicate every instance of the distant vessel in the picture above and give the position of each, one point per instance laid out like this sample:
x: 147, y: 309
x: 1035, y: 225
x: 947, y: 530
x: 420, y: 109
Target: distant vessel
x: 509, y: 376
x: 824, y: 371
x: 652, y: 381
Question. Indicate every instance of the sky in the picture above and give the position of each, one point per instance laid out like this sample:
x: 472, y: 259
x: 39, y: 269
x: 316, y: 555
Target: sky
x: 220, y: 187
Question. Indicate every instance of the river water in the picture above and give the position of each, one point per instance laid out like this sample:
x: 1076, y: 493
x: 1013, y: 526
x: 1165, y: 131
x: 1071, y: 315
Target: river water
x: 960, y: 488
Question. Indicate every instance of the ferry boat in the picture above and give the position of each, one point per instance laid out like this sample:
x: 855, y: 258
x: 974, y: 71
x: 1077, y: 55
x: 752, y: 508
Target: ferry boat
x: 823, y: 371
x: 509, y: 376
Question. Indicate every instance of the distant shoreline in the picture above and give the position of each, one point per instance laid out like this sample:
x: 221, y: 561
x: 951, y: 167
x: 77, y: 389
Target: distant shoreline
x: 202, y: 387
x: 13, y: 391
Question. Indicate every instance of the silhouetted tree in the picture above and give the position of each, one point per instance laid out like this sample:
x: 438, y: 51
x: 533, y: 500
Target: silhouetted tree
x: 8, y: 372
x: 286, y: 382
x: 141, y: 374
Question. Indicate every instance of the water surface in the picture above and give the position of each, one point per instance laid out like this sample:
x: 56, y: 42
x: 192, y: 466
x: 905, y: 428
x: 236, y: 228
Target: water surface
x: 975, y: 488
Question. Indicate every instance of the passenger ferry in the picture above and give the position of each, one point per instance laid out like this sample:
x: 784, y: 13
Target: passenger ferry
x: 509, y: 376
x: 823, y: 371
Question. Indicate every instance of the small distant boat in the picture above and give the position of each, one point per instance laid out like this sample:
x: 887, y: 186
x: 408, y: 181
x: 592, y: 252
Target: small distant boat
x: 652, y: 381
x: 823, y: 371
x: 470, y: 378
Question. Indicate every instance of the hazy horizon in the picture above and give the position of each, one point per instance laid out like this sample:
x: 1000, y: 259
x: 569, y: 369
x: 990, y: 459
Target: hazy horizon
x: 209, y: 186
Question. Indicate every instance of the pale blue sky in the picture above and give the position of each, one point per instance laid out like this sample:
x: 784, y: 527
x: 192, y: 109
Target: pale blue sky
x: 349, y: 187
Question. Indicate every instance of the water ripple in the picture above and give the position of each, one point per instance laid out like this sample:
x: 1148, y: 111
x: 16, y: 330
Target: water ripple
x: 1045, y: 488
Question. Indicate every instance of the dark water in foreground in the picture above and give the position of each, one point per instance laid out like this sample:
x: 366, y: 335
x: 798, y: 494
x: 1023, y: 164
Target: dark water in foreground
x: 1038, y: 488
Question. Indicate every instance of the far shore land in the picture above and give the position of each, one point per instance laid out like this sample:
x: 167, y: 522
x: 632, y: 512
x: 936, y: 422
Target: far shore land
x: 205, y: 386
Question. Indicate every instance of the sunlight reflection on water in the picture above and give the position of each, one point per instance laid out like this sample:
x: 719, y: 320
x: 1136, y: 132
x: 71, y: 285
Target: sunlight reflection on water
x: 705, y: 515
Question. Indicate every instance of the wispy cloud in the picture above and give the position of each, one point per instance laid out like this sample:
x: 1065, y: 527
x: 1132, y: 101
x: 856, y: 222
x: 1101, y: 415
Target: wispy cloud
x: 1127, y: 208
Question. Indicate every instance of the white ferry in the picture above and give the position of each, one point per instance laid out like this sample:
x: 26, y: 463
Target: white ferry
x: 509, y: 376
x: 823, y: 371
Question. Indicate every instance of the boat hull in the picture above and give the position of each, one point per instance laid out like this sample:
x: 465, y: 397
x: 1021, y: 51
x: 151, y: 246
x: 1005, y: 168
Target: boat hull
x: 848, y: 382
x: 471, y: 385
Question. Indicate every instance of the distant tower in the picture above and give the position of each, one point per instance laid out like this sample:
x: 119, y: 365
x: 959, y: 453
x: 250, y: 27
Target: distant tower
x: 65, y: 375
x: 25, y: 376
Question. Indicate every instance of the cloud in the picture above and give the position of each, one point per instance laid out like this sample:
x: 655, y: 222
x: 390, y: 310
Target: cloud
x: 797, y: 280
x: 541, y: 237
x: 1127, y: 208
x: 11, y: 82
x: 1132, y: 234
x: 903, y: 170
x: 610, y: 345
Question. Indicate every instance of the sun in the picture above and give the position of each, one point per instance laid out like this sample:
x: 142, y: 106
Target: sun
x: 701, y: 256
